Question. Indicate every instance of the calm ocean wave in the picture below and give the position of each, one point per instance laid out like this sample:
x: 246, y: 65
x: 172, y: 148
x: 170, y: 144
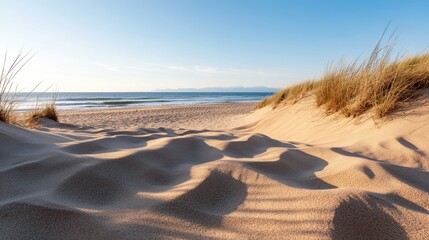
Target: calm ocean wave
x: 134, y: 99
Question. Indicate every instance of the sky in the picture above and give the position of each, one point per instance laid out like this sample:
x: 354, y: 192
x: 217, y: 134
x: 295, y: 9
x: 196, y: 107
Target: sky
x: 146, y: 45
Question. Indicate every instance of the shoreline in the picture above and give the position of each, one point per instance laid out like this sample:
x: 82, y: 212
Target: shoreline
x: 153, y: 106
x: 72, y: 101
x: 139, y: 106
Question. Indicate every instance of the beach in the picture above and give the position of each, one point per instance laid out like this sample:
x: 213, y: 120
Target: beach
x: 223, y: 171
x: 221, y: 120
x: 197, y: 116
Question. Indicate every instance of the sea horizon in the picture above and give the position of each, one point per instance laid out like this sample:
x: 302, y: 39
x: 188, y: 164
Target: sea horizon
x: 91, y: 100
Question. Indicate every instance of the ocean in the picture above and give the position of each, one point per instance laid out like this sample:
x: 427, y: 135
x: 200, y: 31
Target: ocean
x: 85, y: 100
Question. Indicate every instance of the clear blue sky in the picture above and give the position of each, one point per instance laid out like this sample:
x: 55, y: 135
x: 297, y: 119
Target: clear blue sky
x: 145, y: 45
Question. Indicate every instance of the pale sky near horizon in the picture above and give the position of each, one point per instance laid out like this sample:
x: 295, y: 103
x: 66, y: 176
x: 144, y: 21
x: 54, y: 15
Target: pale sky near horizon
x: 147, y: 45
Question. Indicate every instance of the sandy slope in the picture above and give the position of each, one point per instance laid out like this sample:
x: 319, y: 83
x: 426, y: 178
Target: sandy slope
x: 290, y: 173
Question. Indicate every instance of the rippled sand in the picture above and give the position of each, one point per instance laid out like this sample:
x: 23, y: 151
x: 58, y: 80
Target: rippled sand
x: 216, y: 172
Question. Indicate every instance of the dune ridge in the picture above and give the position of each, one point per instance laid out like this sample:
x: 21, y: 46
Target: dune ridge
x: 291, y: 172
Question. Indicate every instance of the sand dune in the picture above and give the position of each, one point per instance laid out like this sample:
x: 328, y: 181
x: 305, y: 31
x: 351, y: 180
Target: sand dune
x: 288, y: 173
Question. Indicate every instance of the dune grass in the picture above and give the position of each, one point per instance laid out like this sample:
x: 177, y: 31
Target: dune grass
x: 378, y: 84
x: 9, y: 95
x: 290, y: 95
x: 48, y: 111
x: 8, y: 88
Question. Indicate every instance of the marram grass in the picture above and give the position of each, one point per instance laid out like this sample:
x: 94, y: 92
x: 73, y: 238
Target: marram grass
x: 9, y: 95
x: 378, y: 85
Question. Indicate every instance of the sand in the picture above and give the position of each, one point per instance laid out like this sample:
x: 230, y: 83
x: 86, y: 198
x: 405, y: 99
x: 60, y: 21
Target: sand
x: 216, y: 172
x: 213, y: 116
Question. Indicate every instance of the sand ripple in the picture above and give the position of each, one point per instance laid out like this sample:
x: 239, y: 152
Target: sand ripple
x: 267, y: 180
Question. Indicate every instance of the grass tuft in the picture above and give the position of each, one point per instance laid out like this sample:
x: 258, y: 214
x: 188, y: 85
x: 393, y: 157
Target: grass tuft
x: 49, y: 111
x: 8, y: 88
x: 9, y: 95
x: 289, y: 95
x: 378, y: 84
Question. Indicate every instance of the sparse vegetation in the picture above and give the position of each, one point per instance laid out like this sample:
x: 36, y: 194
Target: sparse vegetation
x: 8, y: 88
x: 377, y: 84
x: 9, y: 95
x: 289, y: 95
x: 48, y: 111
